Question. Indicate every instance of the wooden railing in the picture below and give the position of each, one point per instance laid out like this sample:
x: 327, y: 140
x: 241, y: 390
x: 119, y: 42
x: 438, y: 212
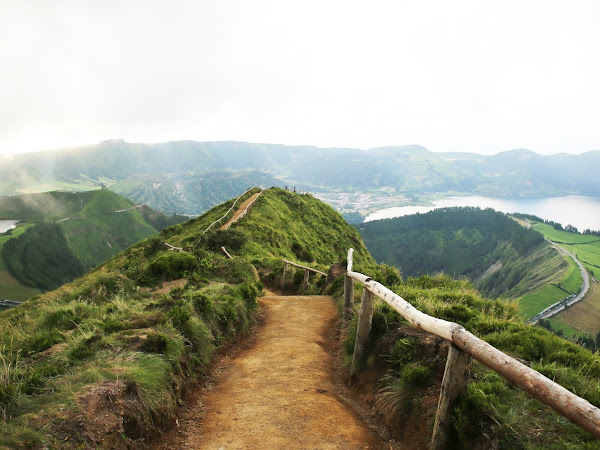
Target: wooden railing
x: 307, y: 271
x: 463, y: 347
x: 246, y: 211
x: 228, y: 211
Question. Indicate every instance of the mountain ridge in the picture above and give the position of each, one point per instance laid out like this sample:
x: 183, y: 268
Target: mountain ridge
x: 147, y: 169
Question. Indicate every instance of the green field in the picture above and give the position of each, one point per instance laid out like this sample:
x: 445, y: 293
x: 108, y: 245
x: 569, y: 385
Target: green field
x: 531, y: 304
x: 572, y: 280
x: 583, y: 318
x: 566, y: 330
x: 585, y: 247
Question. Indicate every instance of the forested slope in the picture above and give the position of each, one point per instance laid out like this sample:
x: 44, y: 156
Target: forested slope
x: 496, y: 253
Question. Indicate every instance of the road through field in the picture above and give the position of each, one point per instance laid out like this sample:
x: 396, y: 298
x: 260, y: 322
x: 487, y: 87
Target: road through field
x: 563, y: 304
x: 281, y: 392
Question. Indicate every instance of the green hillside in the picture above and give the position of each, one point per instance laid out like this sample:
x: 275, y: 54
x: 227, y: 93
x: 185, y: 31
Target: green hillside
x: 402, y: 371
x: 585, y: 246
x: 105, y: 360
x: 116, y: 330
x: 498, y: 255
x: 71, y: 233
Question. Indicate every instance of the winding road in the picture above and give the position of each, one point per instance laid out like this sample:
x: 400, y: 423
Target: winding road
x: 561, y: 305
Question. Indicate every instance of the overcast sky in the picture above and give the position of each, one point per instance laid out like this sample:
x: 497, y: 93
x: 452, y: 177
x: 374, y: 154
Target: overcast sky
x: 481, y: 76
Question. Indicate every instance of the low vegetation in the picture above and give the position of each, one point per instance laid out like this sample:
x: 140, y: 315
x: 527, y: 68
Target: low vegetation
x: 408, y: 366
x: 10, y: 287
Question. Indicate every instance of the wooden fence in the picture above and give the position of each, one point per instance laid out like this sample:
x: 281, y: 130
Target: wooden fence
x: 246, y: 211
x: 463, y: 347
x: 307, y: 271
x: 228, y: 211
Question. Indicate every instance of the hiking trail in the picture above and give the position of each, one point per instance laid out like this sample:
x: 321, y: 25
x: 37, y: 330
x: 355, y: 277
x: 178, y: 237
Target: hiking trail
x: 281, y: 391
x: 240, y: 211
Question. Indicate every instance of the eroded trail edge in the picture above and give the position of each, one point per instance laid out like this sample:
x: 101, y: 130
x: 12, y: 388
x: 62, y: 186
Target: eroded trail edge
x: 281, y: 392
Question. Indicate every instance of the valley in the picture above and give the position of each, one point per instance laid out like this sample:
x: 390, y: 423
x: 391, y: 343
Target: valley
x: 188, y: 177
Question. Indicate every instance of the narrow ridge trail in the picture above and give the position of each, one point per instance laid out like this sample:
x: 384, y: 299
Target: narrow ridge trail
x: 280, y: 391
x: 240, y: 210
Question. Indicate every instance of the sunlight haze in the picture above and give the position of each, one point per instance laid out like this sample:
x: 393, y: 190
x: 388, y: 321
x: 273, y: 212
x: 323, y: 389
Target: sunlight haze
x: 474, y: 76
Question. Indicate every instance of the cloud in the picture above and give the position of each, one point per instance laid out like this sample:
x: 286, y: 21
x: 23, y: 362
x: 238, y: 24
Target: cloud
x: 470, y: 75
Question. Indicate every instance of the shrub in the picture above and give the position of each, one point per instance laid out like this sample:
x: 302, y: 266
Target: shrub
x: 402, y: 352
x: 155, y: 343
x: 153, y: 245
x: 301, y: 253
x: 172, y: 265
x: 203, y: 305
x: 196, y: 281
x: 63, y: 319
x: 86, y: 348
x: 249, y: 292
x: 232, y: 240
x: 179, y: 316
x: 416, y: 375
x: 42, y: 340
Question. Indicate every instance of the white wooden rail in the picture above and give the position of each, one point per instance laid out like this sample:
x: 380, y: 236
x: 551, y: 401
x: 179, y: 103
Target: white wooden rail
x: 248, y: 208
x: 307, y: 271
x: 173, y: 248
x: 228, y: 211
x: 571, y: 406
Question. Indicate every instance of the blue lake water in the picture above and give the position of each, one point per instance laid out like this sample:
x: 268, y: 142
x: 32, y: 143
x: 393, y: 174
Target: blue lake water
x: 580, y: 211
x: 6, y: 225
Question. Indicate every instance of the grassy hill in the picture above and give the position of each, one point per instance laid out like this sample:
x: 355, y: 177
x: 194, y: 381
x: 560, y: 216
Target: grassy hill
x: 144, y: 325
x: 69, y: 233
x: 106, y: 359
x: 402, y: 371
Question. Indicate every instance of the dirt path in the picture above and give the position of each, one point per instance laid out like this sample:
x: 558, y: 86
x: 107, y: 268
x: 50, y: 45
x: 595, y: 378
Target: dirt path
x: 240, y: 211
x: 279, y: 393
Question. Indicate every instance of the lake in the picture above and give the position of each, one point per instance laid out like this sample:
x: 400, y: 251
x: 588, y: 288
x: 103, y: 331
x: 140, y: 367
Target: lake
x: 580, y: 211
x: 6, y: 225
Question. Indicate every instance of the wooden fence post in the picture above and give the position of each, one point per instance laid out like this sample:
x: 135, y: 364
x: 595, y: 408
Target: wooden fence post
x: 305, y: 281
x: 283, y: 277
x: 363, y: 328
x: 456, y: 378
x: 226, y: 252
x: 348, y: 296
